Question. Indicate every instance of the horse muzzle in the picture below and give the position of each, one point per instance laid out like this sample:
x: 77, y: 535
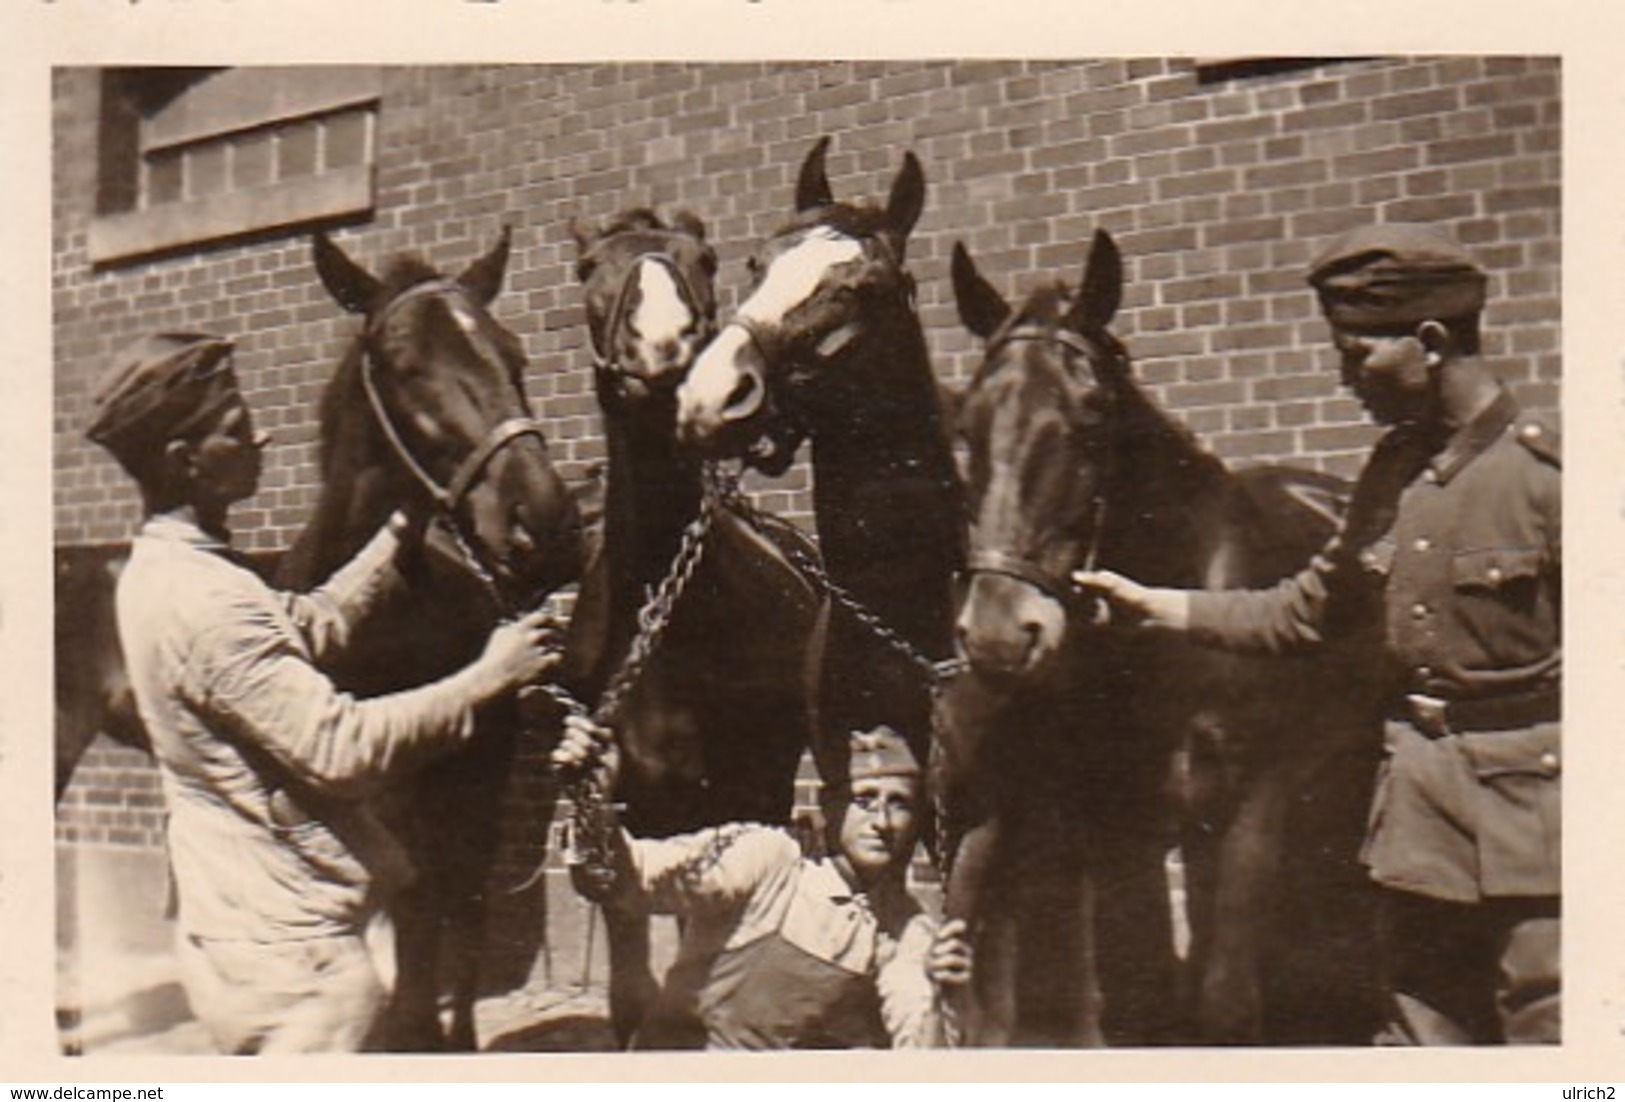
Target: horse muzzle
x: 1007, y: 629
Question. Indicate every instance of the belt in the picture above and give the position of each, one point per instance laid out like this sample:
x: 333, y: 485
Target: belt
x: 1436, y: 717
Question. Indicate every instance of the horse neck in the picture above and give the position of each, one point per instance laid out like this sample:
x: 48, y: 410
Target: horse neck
x: 651, y: 494
x: 1160, y: 498
x: 889, y: 515
x: 360, y: 488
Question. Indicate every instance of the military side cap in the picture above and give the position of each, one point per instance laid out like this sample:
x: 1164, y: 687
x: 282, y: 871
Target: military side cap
x: 158, y: 389
x: 881, y: 752
x: 1396, y: 275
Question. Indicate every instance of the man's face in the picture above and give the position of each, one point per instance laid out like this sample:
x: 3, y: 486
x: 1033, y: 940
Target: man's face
x: 877, y: 828
x: 227, y: 458
x: 1389, y: 374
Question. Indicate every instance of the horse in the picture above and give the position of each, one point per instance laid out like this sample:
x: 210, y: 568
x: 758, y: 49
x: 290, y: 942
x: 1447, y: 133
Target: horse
x: 713, y: 727
x: 1076, y: 758
x: 828, y: 347
x: 427, y: 410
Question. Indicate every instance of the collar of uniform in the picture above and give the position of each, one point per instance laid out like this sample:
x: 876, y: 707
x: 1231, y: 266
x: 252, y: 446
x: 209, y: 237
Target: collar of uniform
x: 827, y: 879
x: 1473, y: 437
x: 176, y: 529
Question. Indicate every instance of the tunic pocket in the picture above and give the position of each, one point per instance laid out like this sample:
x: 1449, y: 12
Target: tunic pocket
x: 1497, y: 590
x: 1519, y: 820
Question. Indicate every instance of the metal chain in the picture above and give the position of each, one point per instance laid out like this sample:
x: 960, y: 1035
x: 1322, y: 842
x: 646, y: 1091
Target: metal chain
x: 724, y: 486
x: 594, y: 817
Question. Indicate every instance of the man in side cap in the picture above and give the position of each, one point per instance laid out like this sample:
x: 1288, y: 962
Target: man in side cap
x: 783, y: 951
x: 1453, y: 544
x: 279, y: 862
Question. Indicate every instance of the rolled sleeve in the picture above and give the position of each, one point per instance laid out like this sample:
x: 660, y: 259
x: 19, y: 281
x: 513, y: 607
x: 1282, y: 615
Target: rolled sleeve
x: 909, y: 1004
x: 713, y: 868
x: 246, y: 673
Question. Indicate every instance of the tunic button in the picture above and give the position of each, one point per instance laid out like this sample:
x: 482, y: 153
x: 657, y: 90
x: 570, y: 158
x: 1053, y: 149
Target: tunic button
x: 1494, y: 574
x: 1422, y: 544
x: 1549, y: 764
x: 1423, y: 674
x: 1419, y: 612
x: 1530, y: 432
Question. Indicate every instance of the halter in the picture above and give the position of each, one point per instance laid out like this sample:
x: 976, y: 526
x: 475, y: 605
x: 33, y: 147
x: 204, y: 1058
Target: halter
x: 449, y: 497
x: 1059, y: 587
x: 607, y: 360
x: 765, y: 338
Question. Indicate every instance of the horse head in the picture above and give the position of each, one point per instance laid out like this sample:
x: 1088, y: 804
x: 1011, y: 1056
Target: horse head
x: 1036, y: 425
x: 441, y: 381
x: 826, y: 286
x: 651, y: 304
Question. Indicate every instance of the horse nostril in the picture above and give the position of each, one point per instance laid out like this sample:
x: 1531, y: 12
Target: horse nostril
x: 1034, y: 633
x: 520, y: 539
x: 744, y: 398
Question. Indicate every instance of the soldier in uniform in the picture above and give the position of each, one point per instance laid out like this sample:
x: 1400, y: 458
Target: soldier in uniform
x: 783, y: 951
x: 280, y: 865
x: 1453, y: 543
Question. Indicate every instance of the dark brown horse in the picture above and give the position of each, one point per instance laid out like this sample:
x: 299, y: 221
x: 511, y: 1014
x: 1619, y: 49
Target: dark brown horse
x: 444, y: 379
x: 1077, y: 758
x: 428, y: 407
x: 713, y: 728
x: 828, y: 346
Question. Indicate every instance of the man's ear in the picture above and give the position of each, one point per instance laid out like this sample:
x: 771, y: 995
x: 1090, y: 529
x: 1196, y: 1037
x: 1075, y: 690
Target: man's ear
x: 1437, y: 341
x: 178, y: 459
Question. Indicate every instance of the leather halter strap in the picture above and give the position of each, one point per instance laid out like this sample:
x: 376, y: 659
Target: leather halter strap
x: 447, y: 498
x: 606, y: 359
x: 1023, y: 570
x: 766, y: 336
x: 990, y: 561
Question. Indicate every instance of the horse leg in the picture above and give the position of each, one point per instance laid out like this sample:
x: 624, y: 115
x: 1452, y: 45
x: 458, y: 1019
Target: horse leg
x: 414, y: 1020
x: 1230, y: 995
x: 632, y: 987
x: 992, y: 980
x: 1056, y: 966
x: 1133, y: 924
x: 465, y: 929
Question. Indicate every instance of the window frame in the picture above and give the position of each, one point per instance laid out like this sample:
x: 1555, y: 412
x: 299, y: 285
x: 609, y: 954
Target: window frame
x: 227, y: 113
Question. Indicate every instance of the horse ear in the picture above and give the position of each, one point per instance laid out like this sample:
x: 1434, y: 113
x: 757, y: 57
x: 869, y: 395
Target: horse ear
x: 907, y: 196
x: 981, y: 308
x: 351, y: 285
x: 585, y: 235
x: 812, y: 186
x: 689, y: 223
x: 1101, y: 292
x: 483, y: 278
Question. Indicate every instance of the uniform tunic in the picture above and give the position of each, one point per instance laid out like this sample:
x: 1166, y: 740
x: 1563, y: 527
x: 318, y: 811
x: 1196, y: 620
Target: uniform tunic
x: 1458, y: 550
x: 265, y: 766
x: 779, y: 951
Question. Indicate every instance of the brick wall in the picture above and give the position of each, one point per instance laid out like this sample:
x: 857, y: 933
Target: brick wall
x: 1218, y: 193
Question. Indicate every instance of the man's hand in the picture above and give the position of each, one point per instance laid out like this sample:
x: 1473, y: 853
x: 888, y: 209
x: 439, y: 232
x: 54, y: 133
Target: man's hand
x: 1126, y: 603
x: 949, y: 962
x: 586, y: 745
x: 518, y: 653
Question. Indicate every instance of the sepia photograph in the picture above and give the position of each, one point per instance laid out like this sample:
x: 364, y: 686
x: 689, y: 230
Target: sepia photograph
x: 615, y: 543
x: 587, y: 557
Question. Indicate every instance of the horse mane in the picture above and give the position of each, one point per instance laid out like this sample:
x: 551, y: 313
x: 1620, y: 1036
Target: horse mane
x: 636, y: 219
x: 1145, y: 417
